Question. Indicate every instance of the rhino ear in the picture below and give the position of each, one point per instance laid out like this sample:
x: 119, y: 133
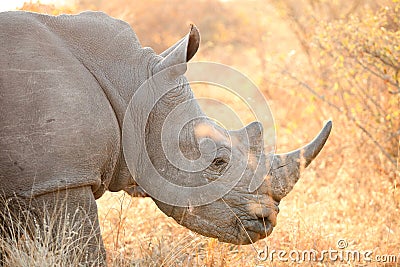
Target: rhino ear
x: 176, y: 57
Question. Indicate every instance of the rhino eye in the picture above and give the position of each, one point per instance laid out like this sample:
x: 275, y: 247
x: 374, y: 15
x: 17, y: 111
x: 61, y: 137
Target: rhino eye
x: 218, y: 165
x: 218, y: 162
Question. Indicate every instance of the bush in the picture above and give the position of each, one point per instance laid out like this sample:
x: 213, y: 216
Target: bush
x: 354, y: 68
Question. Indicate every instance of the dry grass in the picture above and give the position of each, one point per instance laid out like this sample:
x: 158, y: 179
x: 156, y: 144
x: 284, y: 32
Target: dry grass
x: 36, y: 236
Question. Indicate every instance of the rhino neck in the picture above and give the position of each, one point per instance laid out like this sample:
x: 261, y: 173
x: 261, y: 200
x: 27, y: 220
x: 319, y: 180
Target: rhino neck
x: 171, y: 122
x: 120, y: 80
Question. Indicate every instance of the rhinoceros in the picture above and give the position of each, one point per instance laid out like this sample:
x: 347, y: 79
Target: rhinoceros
x: 65, y: 85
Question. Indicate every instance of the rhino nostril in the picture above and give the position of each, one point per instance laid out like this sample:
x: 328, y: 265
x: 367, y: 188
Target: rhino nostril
x: 266, y: 227
x: 268, y: 217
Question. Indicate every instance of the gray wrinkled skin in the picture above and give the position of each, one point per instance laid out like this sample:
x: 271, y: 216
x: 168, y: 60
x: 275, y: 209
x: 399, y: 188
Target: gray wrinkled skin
x: 65, y: 83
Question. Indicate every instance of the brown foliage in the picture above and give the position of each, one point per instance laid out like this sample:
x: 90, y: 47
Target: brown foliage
x: 161, y: 23
x: 354, y: 67
x: 50, y: 9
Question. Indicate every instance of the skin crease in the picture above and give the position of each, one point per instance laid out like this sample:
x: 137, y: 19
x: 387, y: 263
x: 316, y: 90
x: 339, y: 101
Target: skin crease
x: 65, y: 89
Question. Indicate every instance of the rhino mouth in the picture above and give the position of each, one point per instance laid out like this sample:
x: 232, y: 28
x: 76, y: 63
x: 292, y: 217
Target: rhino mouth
x: 256, y: 229
x: 249, y: 231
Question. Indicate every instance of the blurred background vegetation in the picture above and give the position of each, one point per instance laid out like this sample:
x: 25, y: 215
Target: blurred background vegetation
x: 313, y: 60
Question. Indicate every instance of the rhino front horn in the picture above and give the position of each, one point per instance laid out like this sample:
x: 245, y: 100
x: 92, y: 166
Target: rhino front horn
x: 286, y: 168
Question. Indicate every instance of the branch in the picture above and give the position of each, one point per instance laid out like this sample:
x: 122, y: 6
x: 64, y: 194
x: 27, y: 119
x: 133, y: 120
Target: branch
x: 305, y: 85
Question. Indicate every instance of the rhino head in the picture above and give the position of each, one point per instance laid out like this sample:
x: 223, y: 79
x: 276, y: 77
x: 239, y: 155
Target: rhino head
x: 241, y: 215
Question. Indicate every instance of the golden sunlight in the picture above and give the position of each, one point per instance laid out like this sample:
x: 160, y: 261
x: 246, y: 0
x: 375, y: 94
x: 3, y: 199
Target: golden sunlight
x: 6, y: 5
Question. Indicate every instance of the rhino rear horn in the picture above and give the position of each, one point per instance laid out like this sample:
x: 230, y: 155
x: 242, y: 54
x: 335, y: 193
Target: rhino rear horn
x: 286, y: 168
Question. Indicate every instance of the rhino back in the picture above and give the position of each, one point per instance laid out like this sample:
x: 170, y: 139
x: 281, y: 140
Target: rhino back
x: 57, y: 127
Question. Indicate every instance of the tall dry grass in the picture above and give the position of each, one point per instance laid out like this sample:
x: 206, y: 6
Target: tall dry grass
x: 33, y: 235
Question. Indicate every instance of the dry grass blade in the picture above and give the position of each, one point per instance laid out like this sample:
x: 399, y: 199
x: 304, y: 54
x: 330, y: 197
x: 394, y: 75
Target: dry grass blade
x: 56, y: 239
